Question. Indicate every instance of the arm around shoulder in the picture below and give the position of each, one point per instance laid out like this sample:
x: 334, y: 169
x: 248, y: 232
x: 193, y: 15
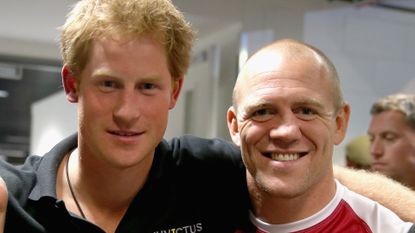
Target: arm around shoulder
x: 393, y: 195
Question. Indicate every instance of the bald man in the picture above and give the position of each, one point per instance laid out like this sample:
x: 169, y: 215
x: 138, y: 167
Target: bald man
x: 288, y: 113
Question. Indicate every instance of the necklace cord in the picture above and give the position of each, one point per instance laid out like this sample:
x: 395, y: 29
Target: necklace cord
x: 71, y: 189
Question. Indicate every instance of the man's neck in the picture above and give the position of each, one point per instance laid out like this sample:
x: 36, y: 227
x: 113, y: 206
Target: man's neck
x: 104, y: 193
x: 274, y: 208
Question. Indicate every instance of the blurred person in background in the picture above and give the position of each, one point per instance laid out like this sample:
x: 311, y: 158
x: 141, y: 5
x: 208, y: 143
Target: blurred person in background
x: 392, y: 137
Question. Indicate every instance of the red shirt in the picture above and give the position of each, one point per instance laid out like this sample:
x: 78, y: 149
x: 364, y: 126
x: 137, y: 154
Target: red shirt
x: 346, y: 212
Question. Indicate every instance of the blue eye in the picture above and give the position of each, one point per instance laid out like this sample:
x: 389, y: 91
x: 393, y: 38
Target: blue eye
x: 148, y: 86
x: 107, y: 85
x: 261, y: 112
x: 305, y: 113
x: 262, y: 115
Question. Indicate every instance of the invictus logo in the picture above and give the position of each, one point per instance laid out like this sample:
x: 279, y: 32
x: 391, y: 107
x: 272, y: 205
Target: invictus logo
x: 184, y: 229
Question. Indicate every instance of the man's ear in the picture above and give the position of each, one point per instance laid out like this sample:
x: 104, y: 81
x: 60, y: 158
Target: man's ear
x: 177, y: 87
x: 342, y: 122
x: 69, y: 84
x: 233, y: 126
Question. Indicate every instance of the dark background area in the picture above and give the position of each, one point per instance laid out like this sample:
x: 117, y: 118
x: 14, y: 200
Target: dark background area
x: 22, y: 82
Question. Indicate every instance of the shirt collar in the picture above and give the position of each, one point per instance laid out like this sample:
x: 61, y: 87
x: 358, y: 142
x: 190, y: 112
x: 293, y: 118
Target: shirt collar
x: 48, y: 167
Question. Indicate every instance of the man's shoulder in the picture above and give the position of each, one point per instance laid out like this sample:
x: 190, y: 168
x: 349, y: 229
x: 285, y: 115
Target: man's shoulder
x: 203, y: 148
x: 22, y: 178
x: 377, y: 217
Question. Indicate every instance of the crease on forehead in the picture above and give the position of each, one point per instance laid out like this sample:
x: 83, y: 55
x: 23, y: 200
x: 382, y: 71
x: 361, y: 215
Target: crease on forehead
x: 271, y: 58
x: 257, y: 100
x: 276, y: 79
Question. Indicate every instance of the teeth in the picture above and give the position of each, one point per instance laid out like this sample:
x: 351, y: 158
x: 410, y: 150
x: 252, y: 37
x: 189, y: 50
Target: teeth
x: 285, y: 157
x: 124, y: 134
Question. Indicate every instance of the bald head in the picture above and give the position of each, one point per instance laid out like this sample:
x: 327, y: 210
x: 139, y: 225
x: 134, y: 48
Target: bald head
x: 276, y: 55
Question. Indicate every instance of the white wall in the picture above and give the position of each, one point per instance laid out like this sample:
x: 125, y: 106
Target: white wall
x: 53, y: 119
x: 30, y: 28
x: 371, y: 47
x: 373, y: 50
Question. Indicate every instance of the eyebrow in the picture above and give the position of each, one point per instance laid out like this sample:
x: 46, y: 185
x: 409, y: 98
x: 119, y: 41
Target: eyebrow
x: 250, y: 105
x: 258, y: 103
x: 310, y: 101
x: 319, y: 105
x: 261, y: 102
x: 109, y: 73
x: 104, y: 72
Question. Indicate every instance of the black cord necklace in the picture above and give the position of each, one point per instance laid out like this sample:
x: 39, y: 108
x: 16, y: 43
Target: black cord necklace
x: 71, y: 189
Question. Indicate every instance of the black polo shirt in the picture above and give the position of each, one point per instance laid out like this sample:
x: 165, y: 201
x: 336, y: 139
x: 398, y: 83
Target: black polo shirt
x: 194, y: 185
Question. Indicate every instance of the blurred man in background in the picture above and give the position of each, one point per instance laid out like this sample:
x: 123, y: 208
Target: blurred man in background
x: 392, y: 137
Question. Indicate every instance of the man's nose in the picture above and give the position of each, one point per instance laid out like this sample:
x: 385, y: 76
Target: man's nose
x: 286, y: 130
x: 128, y: 108
x: 376, y: 148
